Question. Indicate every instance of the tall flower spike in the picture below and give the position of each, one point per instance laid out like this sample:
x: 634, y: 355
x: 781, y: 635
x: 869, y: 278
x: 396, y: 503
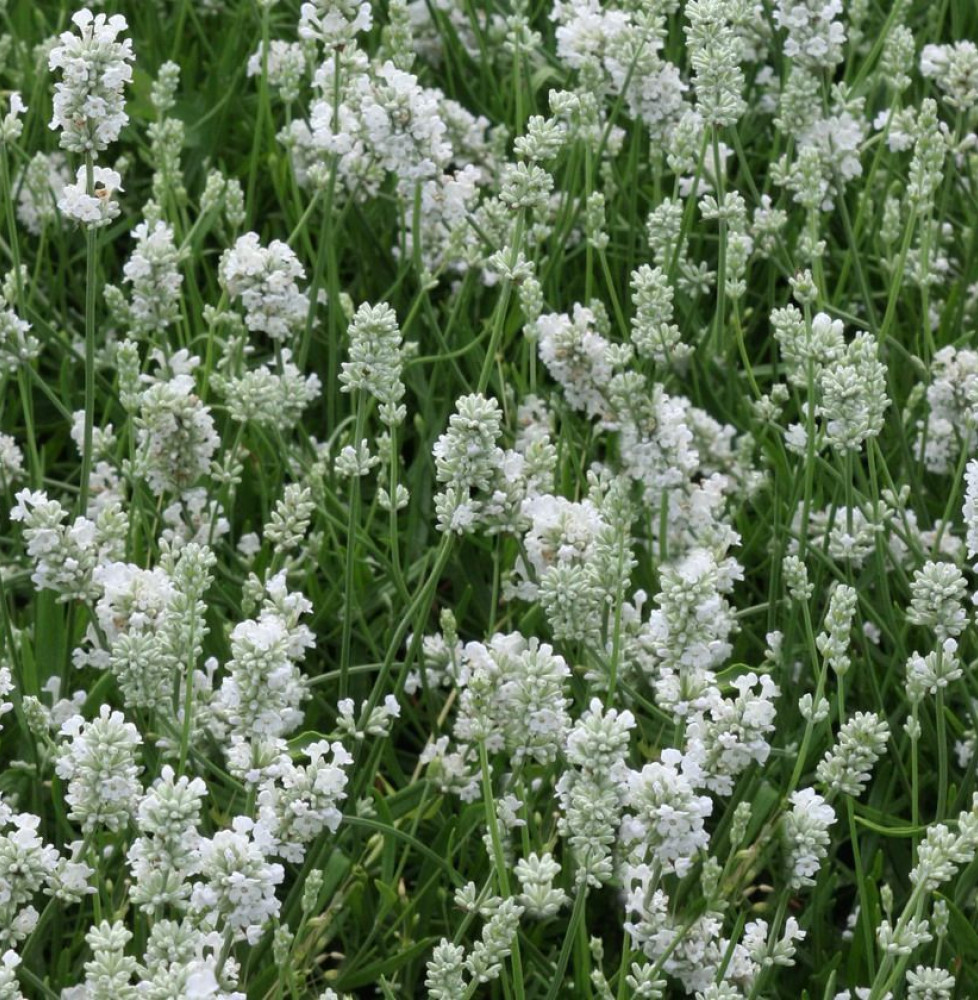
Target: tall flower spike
x: 99, y: 762
x: 11, y: 126
x: 466, y: 459
x: 936, y: 599
x: 806, y: 831
x: 847, y: 767
x: 153, y: 271
x: 970, y: 510
x: 264, y: 279
x: 238, y: 884
x: 88, y: 102
x: 376, y: 360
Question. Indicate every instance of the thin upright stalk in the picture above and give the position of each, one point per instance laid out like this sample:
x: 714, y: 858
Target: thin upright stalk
x: 23, y: 381
x: 499, y: 857
x: 353, y: 524
x: 91, y: 237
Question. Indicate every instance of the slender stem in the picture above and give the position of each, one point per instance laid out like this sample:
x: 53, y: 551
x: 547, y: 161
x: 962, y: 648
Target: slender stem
x: 942, y: 773
x: 502, y: 305
x: 188, y: 700
x: 332, y: 266
x: 264, y: 110
x: 353, y: 523
x: 719, y: 317
x: 90, y: 290
x: 577, y: 915
x: 499, y: 858
x: 23, y: 381
x: 588, y: 247
x: 392, y: 484
x: 857, y: 860
x: 616, y: 633
x: 914, y: 781
x: 772, y: 937
x: 887, y: 974
x: 809, y: 441
x: 799, y: 768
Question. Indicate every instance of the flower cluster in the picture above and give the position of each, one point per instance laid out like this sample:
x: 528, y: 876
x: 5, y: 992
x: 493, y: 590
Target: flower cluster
x: 264, y: 280
x: 95, y: 67
x: 493, y: 503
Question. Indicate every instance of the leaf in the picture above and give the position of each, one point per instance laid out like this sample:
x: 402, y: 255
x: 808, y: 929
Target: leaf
x: 371, y: 973
x: 890, y: 831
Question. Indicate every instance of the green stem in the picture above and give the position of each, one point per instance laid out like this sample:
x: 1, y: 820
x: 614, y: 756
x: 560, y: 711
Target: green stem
x: 864, y: 910
x: 188, y: 699
x: 799, y: 767
x: 887, y: 974
x: 23, y: 383
x: 720, y: 314
x: 395, y: 546
x: 577, y: 915
x: 942, y: 771
x: 415, y: 610
x: 351, y: 555
x: 502, y: 305
x: 914, y: 781
x: 499, y: 858
x: 264, y: 111
x: 90, y: 290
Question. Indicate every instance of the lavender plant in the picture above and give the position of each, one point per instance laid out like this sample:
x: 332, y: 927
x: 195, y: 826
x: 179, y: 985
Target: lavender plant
x: 488, y: 499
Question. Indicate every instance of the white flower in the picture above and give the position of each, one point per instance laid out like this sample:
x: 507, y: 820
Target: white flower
x: 806, y: 829
x: 854, y: 396
x: 335, y: 23
x: 176, y: 434
x: 263, y: 689
x: 576, y: 353
x: 592, y: 790
x: 376, y: 360
x: 667, y: 816
x: 88, y: 102
x: 403, y: 125
x: 275, y: 394
x: 238, y: 884
x: 536, y: 874
x: 813, y: 37
x: 286, y: 66
x: 732, y: 733
x: 25, y: 865
x: 264, y: 280
x: 955, y: 69
x: 98, y: 208
x: 99, y: 763
x: 467, y: 459
x: 154, y: 273
x: 514, y: 697
x: 65, y: 555
x: 952, y: 398
x: 6, y: 686
x: 166, y: 853
x: 300, y: 801
x: 40, y: 185
x: 688, y: 635
x: 9, y: 986
x: 936, y: 597
x: 11, y: 460
x: 847, y: 767
x: 11, y: 127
